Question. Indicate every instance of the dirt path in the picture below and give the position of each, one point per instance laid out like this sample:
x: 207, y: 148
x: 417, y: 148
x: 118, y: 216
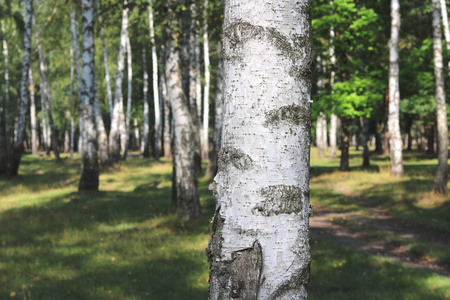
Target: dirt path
x: 368, y: 234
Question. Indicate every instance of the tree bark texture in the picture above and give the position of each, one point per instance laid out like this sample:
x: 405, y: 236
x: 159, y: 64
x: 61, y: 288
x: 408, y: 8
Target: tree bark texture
x: 321, y: 135
x: 260, y: 243
x: 114, y: 135
x: 89, y: 180
x: 394, y: 94
x: 441, y: 177
x: 72, y: 119
x: 105, y: 61
x: 34, y: 128
x: 5, y: 142
x: 333, y: 135
x: 101, y: 131
x: 129, y: 94
x: 156, y: 102
x: 183, y: 128
x: 205, y: 138
x: 23, y: 106
x: 146, y: 110
x: 218, y: 122
x: 167, y: 118
x: 45, y: 89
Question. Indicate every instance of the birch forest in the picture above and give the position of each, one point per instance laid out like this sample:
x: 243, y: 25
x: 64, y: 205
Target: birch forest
x: 224, y: 149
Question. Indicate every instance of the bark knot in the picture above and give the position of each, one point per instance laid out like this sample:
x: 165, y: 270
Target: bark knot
x: 236, y: 157
x: 281, y: 199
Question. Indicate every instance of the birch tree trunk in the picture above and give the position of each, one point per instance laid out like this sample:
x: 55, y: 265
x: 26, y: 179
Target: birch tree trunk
x: 105, y: 61
x: 366, y: 136
x: 395, y: 138
x: 45, y: 89
x: 34, y: 128
x: 333, y: 135
x: 5, y: 144
x: 205, y: 139
x: 167, y: 118
x: 183, y: 128
x: 194, y: 77
x: 101, y: 131
x: 218, y: 121
x: 156, y: 102
x: 89, y: 180
x: 260, y: 243
x: 23, y: 106
x: 146, y: 126
x: 345, y: 145
x: 129, y: 93
x: 441, y: 177
x: 114, y: 135
x: 445, y: 25
x: 321, y: 134
x: 72, y: 120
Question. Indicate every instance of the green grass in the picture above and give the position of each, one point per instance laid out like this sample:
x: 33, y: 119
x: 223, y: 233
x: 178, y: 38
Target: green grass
x: 126, y: 243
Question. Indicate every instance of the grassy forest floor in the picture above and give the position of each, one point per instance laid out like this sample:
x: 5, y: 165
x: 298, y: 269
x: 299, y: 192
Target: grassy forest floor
x: 372, y: 236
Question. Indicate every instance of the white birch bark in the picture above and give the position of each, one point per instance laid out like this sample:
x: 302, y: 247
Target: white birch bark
x: 101, y: 131
x: 115, y: 132
x: 89, y: 180
x: 441, y: 177
x: 321, y: 135
x: 156, y: 101
x: 72, y: 119
x: 183, y: 128
x: 129, y: 93
x: 33, y: 121
x: 167, y: 117
x: 259, y: 248
x: 205, y: 139
x: 146, y: 126
x: 445, y: 24
x: 105, y: 61
x: 394, y: 94
x: 333, y: 117
x: 23, y: 106
x: 6, y: 136
x: 137, y: 136
x: 44, y: 126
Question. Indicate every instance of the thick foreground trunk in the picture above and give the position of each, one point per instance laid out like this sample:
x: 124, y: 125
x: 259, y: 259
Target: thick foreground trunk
x: 260, y: 243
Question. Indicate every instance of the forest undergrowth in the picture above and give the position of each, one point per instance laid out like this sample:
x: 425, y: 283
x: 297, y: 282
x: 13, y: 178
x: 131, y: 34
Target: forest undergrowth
x: 125, y: 242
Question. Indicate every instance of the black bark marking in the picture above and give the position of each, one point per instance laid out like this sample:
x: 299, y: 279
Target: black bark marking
x: 281, y: 199
x: 297, y: 280
x: 297, y: 48
x: 292, y: 114
x: 215, y: 243
x: 236, y: 157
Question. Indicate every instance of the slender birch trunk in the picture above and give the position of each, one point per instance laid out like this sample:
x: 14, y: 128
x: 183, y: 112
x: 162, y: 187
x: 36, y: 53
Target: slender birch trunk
x: 394, y: 94
x: 205, y: 139
x: 19, y: 138
x: 218, y: 122
x: 441, y: 177
x: 333, y: 135
x: 101, y: 131
x: 183, y: 142
x: 105, y: 61
x: 45, y: 89
x: 73, y: 29
x: 5, y: 145
x: 34, y: 129
x: 167, y: 118
x: 115, y: 133
x: 156, y: 102
x: 321, y: 134
x: 260, y: 243
x: 72, y: 120
x: 89, y: 180
x: 146, y: 126
x: 129, y: 93
x: 445, y: 26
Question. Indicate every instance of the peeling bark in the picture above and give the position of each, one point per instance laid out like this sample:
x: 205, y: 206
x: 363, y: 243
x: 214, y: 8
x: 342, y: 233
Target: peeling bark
x: 259, y: 248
